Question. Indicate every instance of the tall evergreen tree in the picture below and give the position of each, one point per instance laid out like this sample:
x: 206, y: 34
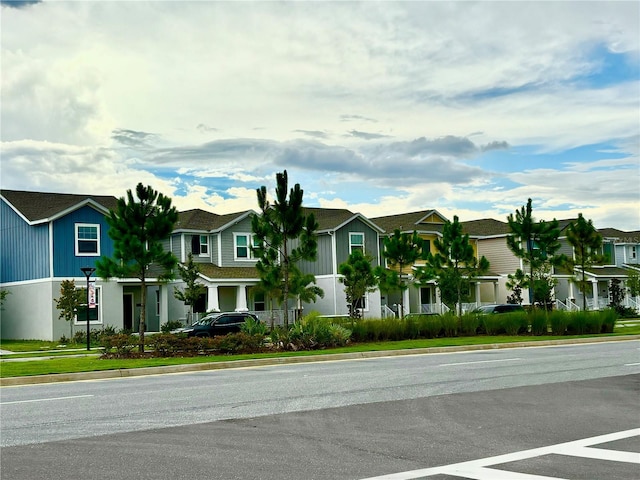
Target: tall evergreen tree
x: 536, y: 243
x: 137, y: 227
x: 586, y: 242
x: 454, y: 264
x: 189, y: 272
x: 278, y: 228
x: 401, y: 250
x: 358, y: 279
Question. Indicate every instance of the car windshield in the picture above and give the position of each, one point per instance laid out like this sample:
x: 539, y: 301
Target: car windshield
x: 486, y: 309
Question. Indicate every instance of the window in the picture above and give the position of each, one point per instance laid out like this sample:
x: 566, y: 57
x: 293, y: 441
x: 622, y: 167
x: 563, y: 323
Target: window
x: 259, y: 302
x: 633, y: 253
x: 242, y: 246
x: 94, y: 313
x: 356, y: 242
x: 158, y: 303
x: 87, y: 240
x: 200, y: 245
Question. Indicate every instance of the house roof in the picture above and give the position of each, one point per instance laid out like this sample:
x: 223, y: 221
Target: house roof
x: 40, y: 206
x: 333, y: 218
x: 197, y: 219
x: 408, y: 222
x: 621, y: 236
x: 212, y: 271
x: 485, y: 227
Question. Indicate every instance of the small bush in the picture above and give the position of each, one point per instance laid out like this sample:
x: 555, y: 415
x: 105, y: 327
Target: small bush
x: 170, y: 325
x: 539, y: 322
x: 558, y: 320
x: 430, y: 326
x: 492, y: 324
x: 469, y: 324
x: 450, y: 324
x: 514, y: 323
x: 609, y: 318
x: 254, y: 327
x: 121, y: 343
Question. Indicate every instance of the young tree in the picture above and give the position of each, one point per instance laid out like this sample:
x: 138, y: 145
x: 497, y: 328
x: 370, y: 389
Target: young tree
x: 586, y: 242
x: 137, y: 227
x: 70, y: 300
x: 278, y: 228
x: 303, y: 287
x: 358, y: 279
x: 401, y: 250
x: 3, y: 297
x: 633, y: 283
x: 453, y: 265
x: 536, y: 243
x: 189, y: 272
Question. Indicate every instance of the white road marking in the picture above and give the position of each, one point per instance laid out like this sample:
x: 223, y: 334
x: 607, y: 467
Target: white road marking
x: 46, y: 399
x: 631, y: 364
x: 479, y: 361
x: 477, y: 469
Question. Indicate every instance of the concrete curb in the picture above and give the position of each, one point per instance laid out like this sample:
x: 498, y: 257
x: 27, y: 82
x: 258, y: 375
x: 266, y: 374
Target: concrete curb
x: 260, y: 362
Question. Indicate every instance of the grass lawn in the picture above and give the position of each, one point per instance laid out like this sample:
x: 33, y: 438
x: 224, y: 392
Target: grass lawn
x: 88, y: 364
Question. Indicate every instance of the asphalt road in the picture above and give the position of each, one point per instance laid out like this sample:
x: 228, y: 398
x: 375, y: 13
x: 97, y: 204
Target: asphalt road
x: 333, y: 420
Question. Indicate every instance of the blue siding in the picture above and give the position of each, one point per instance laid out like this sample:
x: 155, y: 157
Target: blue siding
x: 24, y: 249
x: 65, y: 262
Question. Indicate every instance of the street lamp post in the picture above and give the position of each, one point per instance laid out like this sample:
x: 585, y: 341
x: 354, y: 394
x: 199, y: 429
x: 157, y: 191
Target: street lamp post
x: 87, y: 273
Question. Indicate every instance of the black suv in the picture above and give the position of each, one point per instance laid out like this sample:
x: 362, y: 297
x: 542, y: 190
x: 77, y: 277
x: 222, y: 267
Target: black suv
x: 217, y: 324
x: 504, y: 308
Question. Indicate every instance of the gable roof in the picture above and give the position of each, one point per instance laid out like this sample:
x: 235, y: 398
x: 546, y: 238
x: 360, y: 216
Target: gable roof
x: 334, y: 218
x: 40, y: 207
x: 485, y: 227
x: 408, y: 222
x: 620, y: 235
x: 197, y: 219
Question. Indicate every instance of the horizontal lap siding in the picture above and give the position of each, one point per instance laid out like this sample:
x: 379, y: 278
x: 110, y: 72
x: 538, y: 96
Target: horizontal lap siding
x: 501, y: 259
x: 228, y: 245
x: 24, y: 249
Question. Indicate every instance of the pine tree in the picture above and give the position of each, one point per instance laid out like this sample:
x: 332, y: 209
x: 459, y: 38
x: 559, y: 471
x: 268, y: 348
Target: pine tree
x: 137, y: 227
x: 279, y: 226
x: 453, y: 265
x: 400, y: 250
x: 586, y: 242
x: 190, y: 273
x: 536, y: 243
x: 358, y: 279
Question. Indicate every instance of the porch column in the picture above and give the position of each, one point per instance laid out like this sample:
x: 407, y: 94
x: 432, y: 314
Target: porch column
x: 495, y: 292
x: 478, y: 302
x: 241, y: 299
x: 213, y: 304
x: 164, y: 304
x: 594, y: 285
x: 438, y: 300
x: 405, y: 301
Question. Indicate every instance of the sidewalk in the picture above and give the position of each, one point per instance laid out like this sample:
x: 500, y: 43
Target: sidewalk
x: 259, y: 362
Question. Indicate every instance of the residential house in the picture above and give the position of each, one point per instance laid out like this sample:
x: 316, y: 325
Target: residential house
x: 46, y: 238
x: 340, y: 232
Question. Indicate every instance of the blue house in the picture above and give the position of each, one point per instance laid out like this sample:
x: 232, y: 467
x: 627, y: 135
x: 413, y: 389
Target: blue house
x: 46, y: 238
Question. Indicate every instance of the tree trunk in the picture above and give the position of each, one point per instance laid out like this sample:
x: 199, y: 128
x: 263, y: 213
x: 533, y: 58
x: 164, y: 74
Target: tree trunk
x: 143, y: 313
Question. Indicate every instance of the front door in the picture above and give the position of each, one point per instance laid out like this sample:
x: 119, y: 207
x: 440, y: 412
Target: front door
x: 127, y: 311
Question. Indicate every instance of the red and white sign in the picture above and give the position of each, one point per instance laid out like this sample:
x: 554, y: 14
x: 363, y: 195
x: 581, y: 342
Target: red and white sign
x: 92, y: 295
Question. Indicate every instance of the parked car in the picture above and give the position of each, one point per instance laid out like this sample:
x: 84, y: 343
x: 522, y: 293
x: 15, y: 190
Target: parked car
x: 217, y: 324
x: 502, y: 308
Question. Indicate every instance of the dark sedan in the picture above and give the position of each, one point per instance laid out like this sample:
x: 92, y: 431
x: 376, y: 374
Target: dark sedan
x: 217, y: 324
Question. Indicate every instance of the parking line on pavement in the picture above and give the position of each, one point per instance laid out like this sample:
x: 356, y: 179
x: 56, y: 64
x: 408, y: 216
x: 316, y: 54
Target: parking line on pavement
x: 45, y: 399
x: 480, y: 361
x: 477, y: 469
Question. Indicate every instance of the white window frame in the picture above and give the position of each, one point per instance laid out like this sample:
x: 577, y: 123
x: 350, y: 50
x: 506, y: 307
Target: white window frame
x: 251, y: 242
x: 78, y: 239
x: 352, y: 244
x: 204, y: 247
x: 83, y: 321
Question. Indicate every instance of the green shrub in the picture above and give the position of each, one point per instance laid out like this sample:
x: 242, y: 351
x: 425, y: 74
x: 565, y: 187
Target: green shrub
x: 539, y: 322
x: 340, y: 336
x: 514, y: 323
x: 450, y: 324
x: 254, y: 327
x: 609, y: 318
x: 170, y: 325
x: 469, y: 324
x: 121, y: 344
x: 492, y: 324
x: 430, y: 326
x: 558, y: 320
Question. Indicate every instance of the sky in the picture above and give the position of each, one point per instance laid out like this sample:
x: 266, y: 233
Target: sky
x: 468, y: 108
